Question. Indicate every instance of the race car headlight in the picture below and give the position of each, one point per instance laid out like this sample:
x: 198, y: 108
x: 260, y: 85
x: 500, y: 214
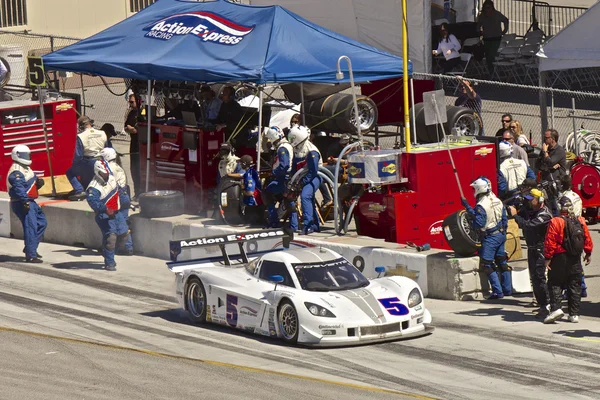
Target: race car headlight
x: 414, y: 298
x: 319, y: 311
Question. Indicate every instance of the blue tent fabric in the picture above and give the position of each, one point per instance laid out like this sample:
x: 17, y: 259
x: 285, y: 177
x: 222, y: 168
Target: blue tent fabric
x: 219, y: 41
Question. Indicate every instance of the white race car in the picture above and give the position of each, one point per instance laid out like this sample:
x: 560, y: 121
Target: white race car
x: 311, y: 296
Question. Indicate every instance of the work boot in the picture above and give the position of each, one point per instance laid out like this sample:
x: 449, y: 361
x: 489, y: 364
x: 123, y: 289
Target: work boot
x: 543, y: 312
x: 111, y: 267
x: 36, y: 254
x: 495, y: 296
x: 78, y: 196
x: 34, y: 260
x: 583, y: 292
x: 553, y: 316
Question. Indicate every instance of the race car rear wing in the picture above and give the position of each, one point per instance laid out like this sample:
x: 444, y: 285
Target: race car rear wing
x: 176, y: 246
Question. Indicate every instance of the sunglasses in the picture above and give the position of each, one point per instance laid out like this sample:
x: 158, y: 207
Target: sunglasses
x: 508, y: 121
x: 132, y: 102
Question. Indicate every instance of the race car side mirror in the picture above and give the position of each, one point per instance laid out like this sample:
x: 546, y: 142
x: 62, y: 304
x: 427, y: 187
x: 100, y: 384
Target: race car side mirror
x: 380, y: 270
x: 276, y: 279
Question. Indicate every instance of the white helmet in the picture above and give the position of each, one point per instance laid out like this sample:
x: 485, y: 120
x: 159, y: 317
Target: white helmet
x: 101, y: 170
x: 109, y: 154
x: 273, y: 134
x: 298, y: 136
x: 21, y: 154
x: 566, y: 205
x: 505, y: 149
x: 481, y: 185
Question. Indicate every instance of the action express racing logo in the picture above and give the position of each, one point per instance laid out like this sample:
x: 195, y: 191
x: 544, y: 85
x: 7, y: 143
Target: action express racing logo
x: 207, y: 26
x: 244, y: 237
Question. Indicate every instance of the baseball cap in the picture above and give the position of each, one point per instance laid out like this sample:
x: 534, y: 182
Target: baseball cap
x: 534, y: 193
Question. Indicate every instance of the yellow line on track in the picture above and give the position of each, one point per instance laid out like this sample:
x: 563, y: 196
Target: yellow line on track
x: 216, y: 363
x: 584, y: 339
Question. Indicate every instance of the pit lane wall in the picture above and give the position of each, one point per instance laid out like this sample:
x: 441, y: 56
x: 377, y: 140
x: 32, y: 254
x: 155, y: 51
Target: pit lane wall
x: 438, y: 273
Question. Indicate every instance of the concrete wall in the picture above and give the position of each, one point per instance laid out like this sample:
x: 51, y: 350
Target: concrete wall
x: 438, y: 273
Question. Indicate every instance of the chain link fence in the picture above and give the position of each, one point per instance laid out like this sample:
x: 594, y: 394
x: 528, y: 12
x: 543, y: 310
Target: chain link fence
x: 563, y: 110
x: 102, y: 99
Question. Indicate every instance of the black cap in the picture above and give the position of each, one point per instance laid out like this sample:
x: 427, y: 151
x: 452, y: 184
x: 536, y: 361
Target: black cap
x: 529, y: 183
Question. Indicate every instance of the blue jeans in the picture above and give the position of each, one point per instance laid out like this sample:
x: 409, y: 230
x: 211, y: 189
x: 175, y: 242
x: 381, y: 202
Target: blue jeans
x: 34, y: 225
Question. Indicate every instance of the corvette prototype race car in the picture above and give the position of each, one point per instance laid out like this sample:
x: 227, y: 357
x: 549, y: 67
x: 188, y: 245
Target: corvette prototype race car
x: 311, y: 296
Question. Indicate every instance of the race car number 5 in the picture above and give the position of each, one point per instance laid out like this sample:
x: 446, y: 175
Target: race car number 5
x: 394, y: 306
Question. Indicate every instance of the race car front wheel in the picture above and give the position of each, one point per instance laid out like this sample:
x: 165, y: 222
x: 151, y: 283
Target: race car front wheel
x: 195, y: 300
x: 289, y: 325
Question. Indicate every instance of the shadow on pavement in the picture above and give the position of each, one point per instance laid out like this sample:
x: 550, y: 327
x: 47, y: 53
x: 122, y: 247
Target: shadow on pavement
x: 507, y: 315
x: 78, y: 252
x: 578, y: 333
x: 4, y: 258
x: 79, y: 265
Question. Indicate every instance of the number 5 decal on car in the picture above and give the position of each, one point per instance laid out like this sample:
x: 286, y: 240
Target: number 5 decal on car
x: 231, y: 311
x: 393, y: 306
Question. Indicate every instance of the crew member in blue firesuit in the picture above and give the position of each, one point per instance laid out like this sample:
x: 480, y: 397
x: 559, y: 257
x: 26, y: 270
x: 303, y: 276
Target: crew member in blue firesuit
x: 110, y: 156
x: 490, y: 217
x: 251, y: 185
x: 23, y: 187
x: 104, y: 198
x: 90, y: 143
x: 512, y: 172
x: 306, y: 155
x: 282, y: 169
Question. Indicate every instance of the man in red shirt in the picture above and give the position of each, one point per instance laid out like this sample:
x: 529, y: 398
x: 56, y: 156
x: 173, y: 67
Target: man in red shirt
x: 564, y: 269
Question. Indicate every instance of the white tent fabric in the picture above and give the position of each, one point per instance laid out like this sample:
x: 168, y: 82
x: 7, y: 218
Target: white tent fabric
x: 574, y: 46
x: 376, y: 23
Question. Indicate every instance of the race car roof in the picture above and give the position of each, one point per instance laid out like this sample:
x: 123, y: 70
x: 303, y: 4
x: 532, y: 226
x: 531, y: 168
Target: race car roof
x: 220, y: 41
x: 307, y: 255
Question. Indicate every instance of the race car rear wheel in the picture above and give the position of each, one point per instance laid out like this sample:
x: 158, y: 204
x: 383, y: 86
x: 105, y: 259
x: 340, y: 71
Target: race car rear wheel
x: 289, y: 325
x: 195, y: 300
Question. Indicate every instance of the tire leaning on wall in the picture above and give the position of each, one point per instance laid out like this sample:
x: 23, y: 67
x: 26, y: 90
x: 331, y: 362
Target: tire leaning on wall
x: 466, y: 121
x: 161, y: 204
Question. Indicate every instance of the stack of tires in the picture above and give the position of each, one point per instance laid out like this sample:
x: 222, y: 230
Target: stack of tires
x: 465, y: 122
x: 335, y: 113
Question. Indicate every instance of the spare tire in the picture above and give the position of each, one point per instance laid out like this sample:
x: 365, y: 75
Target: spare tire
x: 341, y: 105
x: 466, y: 121
x: 161, y: 204
x: 460, y: 235
x: 229, y: 193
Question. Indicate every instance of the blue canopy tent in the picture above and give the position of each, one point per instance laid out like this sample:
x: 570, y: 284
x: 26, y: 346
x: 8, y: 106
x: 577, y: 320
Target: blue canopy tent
x: 219, y: 41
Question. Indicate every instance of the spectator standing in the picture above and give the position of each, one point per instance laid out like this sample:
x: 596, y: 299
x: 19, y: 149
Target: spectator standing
x: 533, y: 218
x: 517, y: 130
x: 567, y: 238
x: 449, y: 47
x: 506, y: 121
x: 492, y: 24
x: 134, y: 144
x: 552, y: 163
x: 518, y: 152
x: 469, y: 98
x: 230, y: 112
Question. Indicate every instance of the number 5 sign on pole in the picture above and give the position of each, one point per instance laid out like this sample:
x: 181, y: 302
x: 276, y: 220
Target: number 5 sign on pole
x: 37, y: 77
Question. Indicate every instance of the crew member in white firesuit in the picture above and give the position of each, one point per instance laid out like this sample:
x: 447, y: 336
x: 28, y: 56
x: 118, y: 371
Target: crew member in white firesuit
x: 23, y: 187
x: 306, y: 155
x: 512, y: 172
x: 282, y: 169
x: 229, y: 164
x: 110, y: 156
x: 104, y: 198
x: 90, y: 143
x: 489, y: 216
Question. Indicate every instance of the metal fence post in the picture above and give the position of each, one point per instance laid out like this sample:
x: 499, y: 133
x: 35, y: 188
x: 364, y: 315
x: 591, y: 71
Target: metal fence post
x: 54, y: 73
x: 574, y: 125
x: 543, y: 105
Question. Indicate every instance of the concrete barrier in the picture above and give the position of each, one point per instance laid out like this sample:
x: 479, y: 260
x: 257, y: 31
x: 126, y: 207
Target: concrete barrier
x: 4, y: 215
x: 438, y: 272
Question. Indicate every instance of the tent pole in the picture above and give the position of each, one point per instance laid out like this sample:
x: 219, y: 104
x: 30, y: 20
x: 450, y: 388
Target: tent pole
x: 149, y: 138
x: 260, y: 116
x: 302, y: 103
x: 412, y: 98
x: 405, y: 76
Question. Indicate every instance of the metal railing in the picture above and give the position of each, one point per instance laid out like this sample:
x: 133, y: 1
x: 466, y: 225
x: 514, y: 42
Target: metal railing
x: 13, y: 13
x: 550, y: 19
x: 138, y: 5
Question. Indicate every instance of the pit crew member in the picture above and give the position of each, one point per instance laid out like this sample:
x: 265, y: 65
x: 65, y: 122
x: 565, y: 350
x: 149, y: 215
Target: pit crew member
x: 512, y: 172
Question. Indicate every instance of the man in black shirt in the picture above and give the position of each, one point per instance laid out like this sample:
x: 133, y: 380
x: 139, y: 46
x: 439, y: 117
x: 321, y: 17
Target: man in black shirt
x: 552, y: 163
x: 506, y: 120
x: 134, y: 146
x: 230, y: 112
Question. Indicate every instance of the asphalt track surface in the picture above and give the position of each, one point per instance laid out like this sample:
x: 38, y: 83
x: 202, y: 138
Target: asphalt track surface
x: 70, y: 330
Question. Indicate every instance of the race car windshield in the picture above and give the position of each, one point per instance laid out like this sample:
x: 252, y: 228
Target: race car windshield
x: 325, y: 276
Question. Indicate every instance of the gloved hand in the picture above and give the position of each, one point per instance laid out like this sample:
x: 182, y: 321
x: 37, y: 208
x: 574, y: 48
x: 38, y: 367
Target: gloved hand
x: 110, y: 212
x: 40, y: 183
x: 464, y: 202
x: 26, y: 206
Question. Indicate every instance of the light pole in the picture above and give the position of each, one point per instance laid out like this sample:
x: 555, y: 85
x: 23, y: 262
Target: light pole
x: 340, y: 76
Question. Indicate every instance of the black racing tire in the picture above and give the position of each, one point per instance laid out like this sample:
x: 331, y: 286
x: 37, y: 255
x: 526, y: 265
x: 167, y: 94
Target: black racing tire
x: 195, y: 300
x: 460, y: 235
x: 466, y: 121
x: 289, y: 323
x: 229, y: 195
x: 367, y: 111
x: 329, y: 108
x: 161, y: 204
